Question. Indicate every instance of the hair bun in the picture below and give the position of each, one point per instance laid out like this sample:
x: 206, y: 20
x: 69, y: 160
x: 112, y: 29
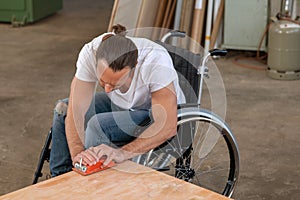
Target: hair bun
x: 119, y: 29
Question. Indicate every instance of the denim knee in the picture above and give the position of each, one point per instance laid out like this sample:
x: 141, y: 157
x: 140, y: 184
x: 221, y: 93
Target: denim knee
x: 61, y: 107
x: 94, y: 135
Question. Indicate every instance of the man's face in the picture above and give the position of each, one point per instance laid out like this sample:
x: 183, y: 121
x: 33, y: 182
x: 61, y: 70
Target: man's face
x: 110, y: 80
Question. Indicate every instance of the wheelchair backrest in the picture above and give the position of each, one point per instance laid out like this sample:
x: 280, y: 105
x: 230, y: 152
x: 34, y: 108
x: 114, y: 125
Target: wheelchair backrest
x: 185, y: 63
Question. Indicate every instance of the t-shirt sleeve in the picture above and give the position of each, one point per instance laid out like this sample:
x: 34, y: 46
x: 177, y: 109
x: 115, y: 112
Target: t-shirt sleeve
x: 86, y: 64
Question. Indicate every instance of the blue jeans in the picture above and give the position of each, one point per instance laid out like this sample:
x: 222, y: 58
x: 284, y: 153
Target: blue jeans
x: 105, y: 123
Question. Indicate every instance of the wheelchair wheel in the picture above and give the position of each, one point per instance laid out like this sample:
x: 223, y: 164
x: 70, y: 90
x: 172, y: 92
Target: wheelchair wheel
x: 204, y: 152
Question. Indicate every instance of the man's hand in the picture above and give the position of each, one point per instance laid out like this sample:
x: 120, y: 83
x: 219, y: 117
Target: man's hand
x: 88, y: 157
x: 92, y: 155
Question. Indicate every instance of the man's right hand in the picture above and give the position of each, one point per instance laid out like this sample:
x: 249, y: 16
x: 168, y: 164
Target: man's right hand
x: 88, y: 157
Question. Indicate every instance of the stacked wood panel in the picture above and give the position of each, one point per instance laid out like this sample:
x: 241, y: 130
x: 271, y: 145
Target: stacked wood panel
x: 153, y: 18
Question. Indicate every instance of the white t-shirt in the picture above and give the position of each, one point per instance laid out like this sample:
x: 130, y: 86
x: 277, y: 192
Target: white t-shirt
x: 153, y: 72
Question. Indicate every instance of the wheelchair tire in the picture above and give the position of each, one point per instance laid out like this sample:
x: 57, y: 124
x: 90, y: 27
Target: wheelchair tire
x: 204, y: 152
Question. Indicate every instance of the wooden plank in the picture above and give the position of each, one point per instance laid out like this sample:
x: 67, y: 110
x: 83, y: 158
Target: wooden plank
x: 169, y: 13
x: 147, y: 17
x: 186, y: 21
x: 113, y: 15
x: 182, y: 15
x: 197, y: 25
x: 126, y: 12
x: 124, y: 181
x: 148, y: 13
x: 187, y: 16
x: 166, y: 13
x: 160, y: 13
x: 216, y: 25
x: 159, y: 19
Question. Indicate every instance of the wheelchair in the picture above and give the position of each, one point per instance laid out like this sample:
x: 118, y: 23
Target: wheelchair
x: 204, y: 151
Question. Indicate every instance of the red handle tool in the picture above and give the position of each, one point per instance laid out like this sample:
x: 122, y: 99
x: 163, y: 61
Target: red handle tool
x: 90, y: 169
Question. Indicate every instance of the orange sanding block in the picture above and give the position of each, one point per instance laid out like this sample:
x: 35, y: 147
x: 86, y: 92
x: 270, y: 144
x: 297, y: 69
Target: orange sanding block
x: 90, y: 169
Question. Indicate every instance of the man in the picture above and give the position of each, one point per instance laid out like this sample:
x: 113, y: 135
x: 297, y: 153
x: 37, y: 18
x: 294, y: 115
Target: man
x: 139, y: 83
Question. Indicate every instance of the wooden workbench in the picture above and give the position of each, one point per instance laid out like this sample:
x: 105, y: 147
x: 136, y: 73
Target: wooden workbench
x: 124, y: 181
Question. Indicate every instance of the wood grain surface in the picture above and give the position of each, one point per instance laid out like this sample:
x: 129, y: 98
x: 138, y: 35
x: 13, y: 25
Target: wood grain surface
x: 124, y: 181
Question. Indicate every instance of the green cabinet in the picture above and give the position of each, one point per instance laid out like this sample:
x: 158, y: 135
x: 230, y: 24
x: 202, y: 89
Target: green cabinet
x: 26, y: 11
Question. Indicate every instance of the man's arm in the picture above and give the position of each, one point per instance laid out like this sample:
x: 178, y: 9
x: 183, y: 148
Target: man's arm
x: 164, y: 111
x: 81, y: 94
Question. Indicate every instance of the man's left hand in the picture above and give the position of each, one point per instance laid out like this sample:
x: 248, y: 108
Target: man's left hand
x: 111, y: 154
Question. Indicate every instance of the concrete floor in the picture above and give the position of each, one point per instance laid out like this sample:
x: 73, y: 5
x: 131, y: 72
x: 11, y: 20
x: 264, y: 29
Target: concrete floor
x: 38, y: 63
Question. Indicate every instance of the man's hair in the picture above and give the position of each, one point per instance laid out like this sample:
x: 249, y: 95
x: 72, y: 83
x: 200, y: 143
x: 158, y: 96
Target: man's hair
x: 117, y: 50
